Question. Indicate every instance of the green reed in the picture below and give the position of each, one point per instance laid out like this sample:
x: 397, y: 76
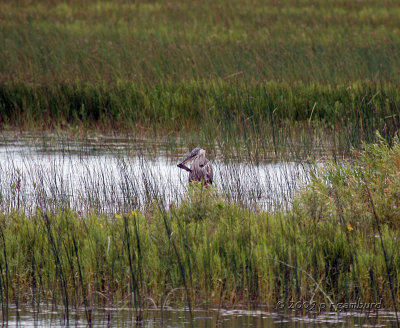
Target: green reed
x: 236, y: 257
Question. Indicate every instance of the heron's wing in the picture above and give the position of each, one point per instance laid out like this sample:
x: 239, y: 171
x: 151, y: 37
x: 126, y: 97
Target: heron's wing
x: 201, y: 170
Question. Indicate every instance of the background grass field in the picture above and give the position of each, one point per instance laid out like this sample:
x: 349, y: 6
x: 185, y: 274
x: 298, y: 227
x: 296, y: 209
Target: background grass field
x: 153, y: 42
x: 257, y: 70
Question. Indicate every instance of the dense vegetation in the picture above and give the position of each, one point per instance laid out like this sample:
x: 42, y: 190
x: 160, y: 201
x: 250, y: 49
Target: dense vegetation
x: 340, y: 240
x: 252, y: 70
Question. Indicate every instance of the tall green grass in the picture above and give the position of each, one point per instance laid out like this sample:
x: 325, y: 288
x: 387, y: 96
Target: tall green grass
x: 271, y: 120
x: 313, y: 41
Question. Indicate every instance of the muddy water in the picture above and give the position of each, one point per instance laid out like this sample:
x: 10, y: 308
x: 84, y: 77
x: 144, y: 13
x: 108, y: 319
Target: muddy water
x: 114, y: 174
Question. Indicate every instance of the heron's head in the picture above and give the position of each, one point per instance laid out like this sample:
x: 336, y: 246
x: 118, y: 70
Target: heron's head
x: 194, y: 153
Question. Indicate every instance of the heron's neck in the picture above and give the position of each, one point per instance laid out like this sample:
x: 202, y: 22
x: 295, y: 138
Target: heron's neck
x: 199, y: 158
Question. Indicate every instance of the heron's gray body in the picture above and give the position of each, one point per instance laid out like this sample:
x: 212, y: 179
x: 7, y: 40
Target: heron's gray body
x: 201, y: 169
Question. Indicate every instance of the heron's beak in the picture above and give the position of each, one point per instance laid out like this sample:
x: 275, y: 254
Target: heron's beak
x: 187, y: 159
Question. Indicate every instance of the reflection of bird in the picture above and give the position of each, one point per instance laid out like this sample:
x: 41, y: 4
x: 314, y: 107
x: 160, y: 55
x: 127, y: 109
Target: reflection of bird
x: 201, y: 169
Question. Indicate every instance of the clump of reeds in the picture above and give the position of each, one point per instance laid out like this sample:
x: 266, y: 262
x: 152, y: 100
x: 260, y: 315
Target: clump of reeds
x: 344, y: 191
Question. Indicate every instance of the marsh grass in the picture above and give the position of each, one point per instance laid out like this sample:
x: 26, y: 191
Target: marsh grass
x: 260, y: 76
x: 256, y: 121
x: 109, y: 42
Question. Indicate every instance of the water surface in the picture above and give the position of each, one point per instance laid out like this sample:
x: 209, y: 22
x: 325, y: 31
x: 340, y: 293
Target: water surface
x: 115, y: 174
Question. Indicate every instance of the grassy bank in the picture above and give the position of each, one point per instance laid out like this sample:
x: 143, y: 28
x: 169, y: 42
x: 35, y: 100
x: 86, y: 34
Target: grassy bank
x: 340, y: 240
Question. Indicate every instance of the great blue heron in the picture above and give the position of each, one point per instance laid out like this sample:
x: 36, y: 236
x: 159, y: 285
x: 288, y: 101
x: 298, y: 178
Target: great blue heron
x: 201, y: 169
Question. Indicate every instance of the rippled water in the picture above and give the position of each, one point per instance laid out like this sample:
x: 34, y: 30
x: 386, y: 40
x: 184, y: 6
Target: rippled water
x: 103, y: 317
x: 114, y: 174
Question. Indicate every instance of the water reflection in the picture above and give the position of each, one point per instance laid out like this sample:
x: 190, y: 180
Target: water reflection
x: 125, y: 317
